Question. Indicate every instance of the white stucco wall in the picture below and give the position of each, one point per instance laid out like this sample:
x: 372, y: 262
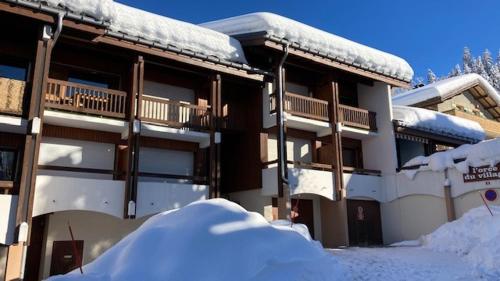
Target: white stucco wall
x: 168, y: 91
x: 471, y: 200
x: 363, y: 187
x: 54, y: 194
x: 165, y: 161
x: 98, y: 231
x: 253, y: 200
x: 379, y: 152
x: 155, y: 197
x: 8, y: 208
x: 297, y: 149
x: 409, y: 217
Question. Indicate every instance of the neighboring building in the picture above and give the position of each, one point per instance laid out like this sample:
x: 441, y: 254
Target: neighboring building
x: 101, y: 129
x: 338, y: 128
x: 468, y: 96
x: 422, y: 132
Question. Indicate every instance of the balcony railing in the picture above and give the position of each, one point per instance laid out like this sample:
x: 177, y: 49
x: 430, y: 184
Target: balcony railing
x: 357, y: 117
x: 317, y: 109
x: 11, y: 96
x: 303, y: 106
x: 85, y: 99
x: 175, y: 114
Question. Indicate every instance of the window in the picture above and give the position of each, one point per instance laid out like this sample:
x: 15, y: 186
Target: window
x: 8, y: 159
x: 13, y: 69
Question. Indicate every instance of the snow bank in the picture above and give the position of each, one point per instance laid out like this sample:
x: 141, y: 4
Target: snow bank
x: 166, y: 31
x: 438, y: 123
x: 316, y: 40
x: 211, y: 240
x: 475, y: 236
x: 475, y: 155
x: 445, y: 89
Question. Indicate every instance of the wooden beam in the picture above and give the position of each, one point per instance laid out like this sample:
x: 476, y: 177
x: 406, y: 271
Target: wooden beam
x: 32, y: 142
x: 346, y: 67
x: 214, y: 149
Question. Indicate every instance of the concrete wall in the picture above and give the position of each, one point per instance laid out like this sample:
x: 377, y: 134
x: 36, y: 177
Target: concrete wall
x: 168, y: 91
x: 470, y: 200
x: 98, y: 231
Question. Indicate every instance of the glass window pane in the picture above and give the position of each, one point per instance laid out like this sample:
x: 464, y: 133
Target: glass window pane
x: 7, y: 165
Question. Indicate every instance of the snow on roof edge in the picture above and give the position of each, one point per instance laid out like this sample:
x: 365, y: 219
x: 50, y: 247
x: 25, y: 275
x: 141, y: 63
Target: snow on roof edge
x: 132, y: 22
x: 322, y: 42
x: 445, y: 89
x: 438, y: 123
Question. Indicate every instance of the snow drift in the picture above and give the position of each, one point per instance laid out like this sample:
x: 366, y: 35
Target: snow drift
x: 473, y: 155
x: 211, y: 240
x: 474, y: 237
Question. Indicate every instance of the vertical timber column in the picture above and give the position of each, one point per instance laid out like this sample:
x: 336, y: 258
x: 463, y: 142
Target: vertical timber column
x: 284, y: 200
x: 448, y: 199
x: 336, y: 140
x: 135, y: 105
x: 214, y: 149
x: 16, y: 253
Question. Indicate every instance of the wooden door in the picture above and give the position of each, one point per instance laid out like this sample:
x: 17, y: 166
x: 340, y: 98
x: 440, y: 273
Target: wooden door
x: 302, y: 212
x: 34, y: 253
x: 63, y: 256
x: 364, y: 223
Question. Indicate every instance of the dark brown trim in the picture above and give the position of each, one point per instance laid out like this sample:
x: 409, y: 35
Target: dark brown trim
x: 328, y: 62
x: 7, y: 184
x: 81, y: 134
x: 195, y: 179
x: 77, y: 170
x: 214, y: 149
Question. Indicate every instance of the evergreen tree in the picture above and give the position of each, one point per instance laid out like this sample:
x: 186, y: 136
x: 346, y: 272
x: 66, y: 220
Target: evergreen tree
x: 431, y: 77
x: 488, y: 61
x: 467, y: 59
x: 456, y: 71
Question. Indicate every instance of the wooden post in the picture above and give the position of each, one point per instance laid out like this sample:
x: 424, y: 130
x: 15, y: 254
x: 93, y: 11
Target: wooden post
x: 133, y: 141
x: 214, y: 149
x: 448, y: 199
x: 14, y: 267
x: 336, y: 140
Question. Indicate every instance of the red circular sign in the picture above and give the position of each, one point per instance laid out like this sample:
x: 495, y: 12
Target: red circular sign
x: 491, y: 195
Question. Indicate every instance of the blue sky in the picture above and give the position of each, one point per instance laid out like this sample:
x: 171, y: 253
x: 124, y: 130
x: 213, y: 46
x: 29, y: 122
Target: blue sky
x: 427, y: 33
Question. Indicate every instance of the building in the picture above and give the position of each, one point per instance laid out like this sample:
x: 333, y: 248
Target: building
x: 101, y: 128
x: 422, y: 132
x: 468, y: 96
x: 337, y: 128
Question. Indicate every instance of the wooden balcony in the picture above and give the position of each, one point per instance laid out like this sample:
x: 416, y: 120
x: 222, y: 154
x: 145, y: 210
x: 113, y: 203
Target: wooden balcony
x: 11, y: 96
x: 357, y: 117
x: 81, y: 98
x: 317, y: 109
x: 175, y: 114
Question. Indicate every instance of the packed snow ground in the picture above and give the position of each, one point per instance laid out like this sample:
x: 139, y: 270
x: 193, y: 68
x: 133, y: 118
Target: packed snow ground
x: 219, y: 240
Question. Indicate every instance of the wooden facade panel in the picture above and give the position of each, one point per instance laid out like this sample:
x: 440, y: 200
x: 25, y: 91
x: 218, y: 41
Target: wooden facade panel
x: 81, y: 134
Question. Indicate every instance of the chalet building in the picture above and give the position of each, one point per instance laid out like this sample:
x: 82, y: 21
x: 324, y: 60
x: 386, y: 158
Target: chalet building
x: 422, y: 132
x: 101, y: 128
x: 468, y: 96
x: 335, y: 96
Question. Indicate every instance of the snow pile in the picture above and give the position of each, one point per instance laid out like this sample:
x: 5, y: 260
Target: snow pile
x: 165, y: 31
x: 211, y: 240
x: 475, y: 155
x: 445, y: 89
x: 438, y: 123
x: 317, y: 41
x: 475, y: 236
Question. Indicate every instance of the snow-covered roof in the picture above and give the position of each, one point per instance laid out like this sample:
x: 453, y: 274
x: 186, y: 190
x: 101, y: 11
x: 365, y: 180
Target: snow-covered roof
x: 445, y: 89
x: 160, y: 30
x: 438, y: 123
x: 461, y: 158
x: 317, y: 41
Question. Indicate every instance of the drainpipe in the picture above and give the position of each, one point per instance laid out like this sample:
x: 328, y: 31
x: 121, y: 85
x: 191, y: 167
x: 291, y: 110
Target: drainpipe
x: 23, y: 232
x: 448, y: 199
x: 281, y: 119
